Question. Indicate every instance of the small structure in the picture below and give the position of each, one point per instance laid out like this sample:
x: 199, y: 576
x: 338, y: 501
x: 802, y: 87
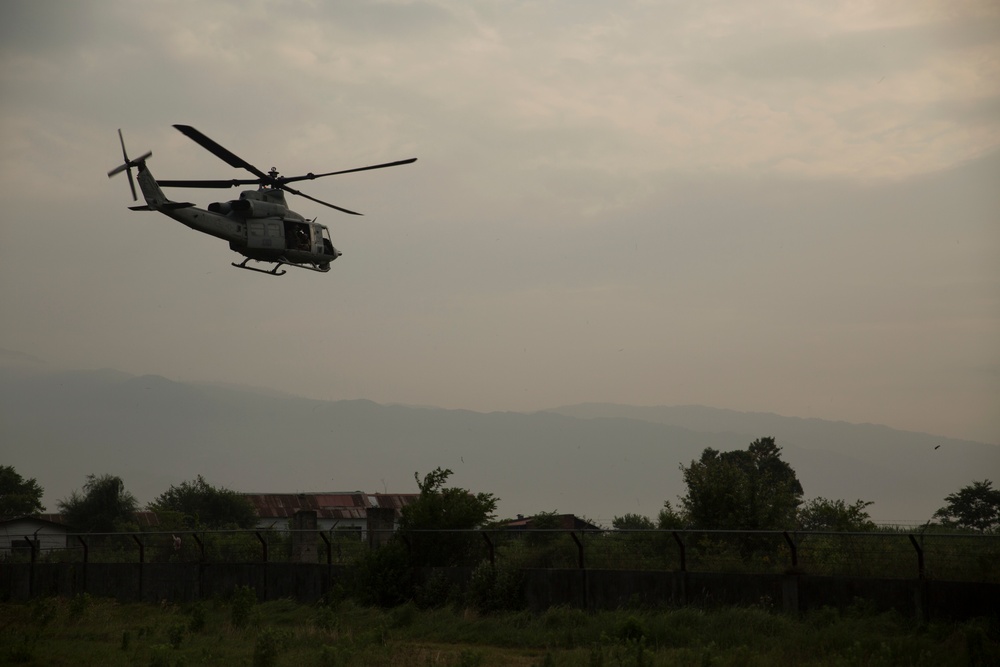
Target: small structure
x: 334, y: 511
x: 20, y: 535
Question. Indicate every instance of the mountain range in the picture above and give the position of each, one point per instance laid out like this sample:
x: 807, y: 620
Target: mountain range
x: 594, y: 460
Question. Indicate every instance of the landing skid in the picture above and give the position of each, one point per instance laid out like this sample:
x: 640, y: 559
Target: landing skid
x: 273, y: 272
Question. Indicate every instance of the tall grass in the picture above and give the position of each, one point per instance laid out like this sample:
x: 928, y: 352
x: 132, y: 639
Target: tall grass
x: 57, y: 632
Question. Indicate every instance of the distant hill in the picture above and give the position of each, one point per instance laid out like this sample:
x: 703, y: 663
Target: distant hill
x: 597, y: 461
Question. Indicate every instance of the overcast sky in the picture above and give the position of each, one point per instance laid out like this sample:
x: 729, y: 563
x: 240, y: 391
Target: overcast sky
x: 789, y: 207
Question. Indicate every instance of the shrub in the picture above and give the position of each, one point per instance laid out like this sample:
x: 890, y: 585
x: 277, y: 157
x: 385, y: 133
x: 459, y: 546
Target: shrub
x: 243, y: 607
x: 175, y: 635
x: 435, y: 592
x: 270, y: 644
x: 495, y: 588
x: 197, y: 613
x: 78, y: 606
x: 42, y: 612
x: 631, y: 629
x: 385, y: 577
x: 325, y: 620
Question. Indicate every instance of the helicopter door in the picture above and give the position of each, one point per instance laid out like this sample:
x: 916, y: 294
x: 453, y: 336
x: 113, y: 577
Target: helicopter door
x: 265, y: 234
x: 317, y: 238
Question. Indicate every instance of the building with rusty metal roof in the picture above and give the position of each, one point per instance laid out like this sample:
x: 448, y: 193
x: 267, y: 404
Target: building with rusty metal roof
x: 334, y: 510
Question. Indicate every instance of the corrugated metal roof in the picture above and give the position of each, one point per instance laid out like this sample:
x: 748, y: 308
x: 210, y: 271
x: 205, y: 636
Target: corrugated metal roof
x: 327, y: 505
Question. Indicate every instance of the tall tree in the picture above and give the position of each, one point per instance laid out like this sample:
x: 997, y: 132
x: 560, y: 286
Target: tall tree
x: 205, y: 506
x: 824, y: 514
x: 751, y: 489
x: 632, y: 521
x: 441, y: 508
x: 18, y: 496
x: 104, y: 506
x: 976, y: 506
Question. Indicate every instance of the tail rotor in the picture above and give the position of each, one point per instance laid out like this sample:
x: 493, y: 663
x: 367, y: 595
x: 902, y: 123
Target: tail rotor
x: 128, y: 164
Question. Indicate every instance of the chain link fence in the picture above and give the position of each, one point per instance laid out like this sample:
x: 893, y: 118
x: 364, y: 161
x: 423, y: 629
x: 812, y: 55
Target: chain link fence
x: 901, y: 555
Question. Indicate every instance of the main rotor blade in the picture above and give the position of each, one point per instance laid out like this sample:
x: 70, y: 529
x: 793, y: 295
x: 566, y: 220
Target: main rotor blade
x: 218, y: 151
x: 309, y: 177
x: 318, y: 201
x: 231, y: 183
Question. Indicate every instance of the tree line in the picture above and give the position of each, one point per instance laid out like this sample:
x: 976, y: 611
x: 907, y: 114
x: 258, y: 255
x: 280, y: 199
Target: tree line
x: 751, y: 489
x: 754, y: 489
x: 104, y: 505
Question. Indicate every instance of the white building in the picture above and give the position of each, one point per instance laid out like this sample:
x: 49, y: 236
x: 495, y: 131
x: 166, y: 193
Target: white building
x: 17, y: 535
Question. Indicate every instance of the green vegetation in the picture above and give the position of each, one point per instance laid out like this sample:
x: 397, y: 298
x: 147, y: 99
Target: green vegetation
x: 51, y: 631
x: 18, y: 496
x: 751, y: 489
x: 444, y: 508
x: 975, y: 507
x: 201, y: 505
x: 824, y: 514
x: 104, y: 506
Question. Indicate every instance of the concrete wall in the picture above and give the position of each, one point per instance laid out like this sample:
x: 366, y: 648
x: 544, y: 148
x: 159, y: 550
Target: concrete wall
x: 587, y: 589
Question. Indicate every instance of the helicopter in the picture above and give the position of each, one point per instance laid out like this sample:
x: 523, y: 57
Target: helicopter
x: 259, y: 225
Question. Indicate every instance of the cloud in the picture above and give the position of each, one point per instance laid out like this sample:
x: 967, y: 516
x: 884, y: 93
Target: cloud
x: 724, y: 190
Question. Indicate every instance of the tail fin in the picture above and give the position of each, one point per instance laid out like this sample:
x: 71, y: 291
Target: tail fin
x: 155, y: 198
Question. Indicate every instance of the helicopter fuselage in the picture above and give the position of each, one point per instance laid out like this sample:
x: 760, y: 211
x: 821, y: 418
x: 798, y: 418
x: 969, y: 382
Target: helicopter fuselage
x: 258, y: 225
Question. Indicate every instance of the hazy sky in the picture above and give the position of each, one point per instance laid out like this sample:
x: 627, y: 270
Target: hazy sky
x: 772, y: 206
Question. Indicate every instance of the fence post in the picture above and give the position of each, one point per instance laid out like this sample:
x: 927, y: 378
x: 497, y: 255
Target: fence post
x: 201, y: 565
x: 920, y: 556
x: 263, y: 546
x: 329, y: 548
x: 86, y: 560
x: 142, y: 560
x: 489, y: 546
x: 579, y: 550
x: 263, y: 553
x: 680, y: 546
x: 790, y: 584
x: 920, y: 596
x: 583, y: 570
x: 793, y: 548
x: 33, y: 547
x: 201, y: 547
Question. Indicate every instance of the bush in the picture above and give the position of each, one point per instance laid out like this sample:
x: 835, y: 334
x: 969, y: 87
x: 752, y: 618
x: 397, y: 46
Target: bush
x: 495, y: 588
x: 631, y: 629
x: 435, y: 592
x: 385, y: 577
x: 175, y: 635
x: 78, y: 606
x: 197, y: 613
x: 325, y: 620
x: 270, y: 644
x: 243, y: 607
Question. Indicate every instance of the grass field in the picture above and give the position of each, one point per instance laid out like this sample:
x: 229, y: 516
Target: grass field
x: 91, y: 631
